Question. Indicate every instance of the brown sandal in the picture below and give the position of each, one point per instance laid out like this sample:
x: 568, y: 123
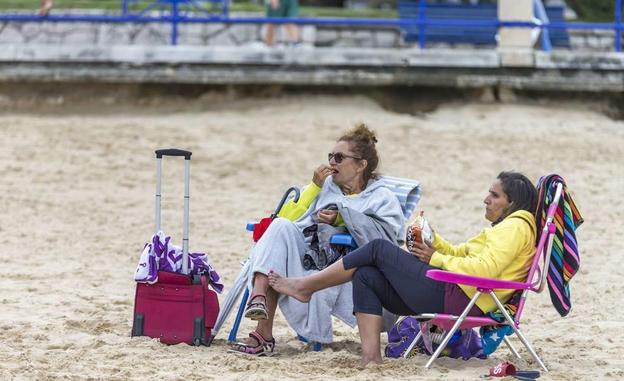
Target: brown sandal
x: 256, y: 309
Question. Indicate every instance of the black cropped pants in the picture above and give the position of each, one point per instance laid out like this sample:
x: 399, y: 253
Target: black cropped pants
x: 394, y: 279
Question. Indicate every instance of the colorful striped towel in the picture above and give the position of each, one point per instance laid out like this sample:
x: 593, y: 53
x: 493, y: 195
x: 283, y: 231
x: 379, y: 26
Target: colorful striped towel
x: 565, y: 259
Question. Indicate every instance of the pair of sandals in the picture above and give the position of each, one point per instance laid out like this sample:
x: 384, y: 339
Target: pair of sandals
x: 256, y: 310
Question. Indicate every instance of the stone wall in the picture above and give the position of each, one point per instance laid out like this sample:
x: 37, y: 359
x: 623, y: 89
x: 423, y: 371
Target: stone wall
x: 208, y: 34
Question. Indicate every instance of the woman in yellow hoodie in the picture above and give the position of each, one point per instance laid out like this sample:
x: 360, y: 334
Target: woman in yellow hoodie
x: 384, y: 275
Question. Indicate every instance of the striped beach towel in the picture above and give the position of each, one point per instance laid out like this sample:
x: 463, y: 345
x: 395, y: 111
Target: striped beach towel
x: 565, y: 259
x: 408, y: 192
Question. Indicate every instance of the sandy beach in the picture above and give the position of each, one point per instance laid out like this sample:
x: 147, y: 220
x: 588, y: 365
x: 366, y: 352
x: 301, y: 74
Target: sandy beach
x: 76, y: 201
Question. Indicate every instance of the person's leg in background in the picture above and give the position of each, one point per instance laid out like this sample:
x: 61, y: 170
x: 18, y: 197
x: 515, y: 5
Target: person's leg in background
x: 293, y: 33
x: 292, y: 10
x: 269, y: 34
x: 273, y: 9
x: 46, y: 6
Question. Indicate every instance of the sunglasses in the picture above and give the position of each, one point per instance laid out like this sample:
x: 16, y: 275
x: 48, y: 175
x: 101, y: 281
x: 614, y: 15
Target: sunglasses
x: 339, y: 157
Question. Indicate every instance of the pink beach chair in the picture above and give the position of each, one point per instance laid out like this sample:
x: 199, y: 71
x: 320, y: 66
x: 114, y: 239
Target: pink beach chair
x: 536, y: 281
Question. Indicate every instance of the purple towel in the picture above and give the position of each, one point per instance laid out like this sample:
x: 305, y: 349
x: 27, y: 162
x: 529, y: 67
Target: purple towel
x: 161, y: 255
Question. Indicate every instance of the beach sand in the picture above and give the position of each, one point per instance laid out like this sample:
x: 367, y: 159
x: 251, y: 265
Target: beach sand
x: 76, y: 206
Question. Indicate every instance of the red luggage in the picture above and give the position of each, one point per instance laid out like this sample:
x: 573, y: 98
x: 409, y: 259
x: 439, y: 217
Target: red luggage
x: 178, y: 308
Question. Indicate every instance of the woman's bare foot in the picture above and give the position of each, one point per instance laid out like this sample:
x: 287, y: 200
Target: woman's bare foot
x: 290, y: 286
x: 366, y: 361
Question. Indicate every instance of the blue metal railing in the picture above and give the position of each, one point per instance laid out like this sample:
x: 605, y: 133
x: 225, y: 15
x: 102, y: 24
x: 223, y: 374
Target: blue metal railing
x: 176, y: 12
x: 618, y: 25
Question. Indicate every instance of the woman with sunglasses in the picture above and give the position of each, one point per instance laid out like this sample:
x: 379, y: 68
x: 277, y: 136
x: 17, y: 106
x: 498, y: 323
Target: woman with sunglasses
x: 348, y: 182
x: 384, y: 275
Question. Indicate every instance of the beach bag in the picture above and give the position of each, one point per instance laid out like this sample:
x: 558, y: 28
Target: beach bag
x: 464, y: 344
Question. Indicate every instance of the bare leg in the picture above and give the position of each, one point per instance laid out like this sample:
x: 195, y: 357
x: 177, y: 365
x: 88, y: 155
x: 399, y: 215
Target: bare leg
x: 302, y: 288
x: 293, y: 32
x: 46, y: 5
x: 264, y: 327
x: 370, y: 331
x: 268, y: 38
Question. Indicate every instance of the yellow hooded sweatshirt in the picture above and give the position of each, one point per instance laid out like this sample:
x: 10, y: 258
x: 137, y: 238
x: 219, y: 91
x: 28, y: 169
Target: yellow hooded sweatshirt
x: 503, y: 251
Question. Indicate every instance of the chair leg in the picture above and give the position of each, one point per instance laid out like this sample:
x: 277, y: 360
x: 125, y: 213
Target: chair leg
x: 412, y: 345
x: 450, y: 333
x: 239, y: 316
x: 314, y: 346
x: 511, y: 347
x: 517, y: 331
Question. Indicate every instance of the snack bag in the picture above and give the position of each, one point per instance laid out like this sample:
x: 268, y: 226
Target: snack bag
x: 419, y: 231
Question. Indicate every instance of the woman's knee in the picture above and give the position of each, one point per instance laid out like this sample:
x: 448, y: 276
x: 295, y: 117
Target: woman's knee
x: 365, y: 276
x: 380, y: 247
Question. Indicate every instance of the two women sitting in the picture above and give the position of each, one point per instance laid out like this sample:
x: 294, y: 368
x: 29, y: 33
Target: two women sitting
x: 382, y: 275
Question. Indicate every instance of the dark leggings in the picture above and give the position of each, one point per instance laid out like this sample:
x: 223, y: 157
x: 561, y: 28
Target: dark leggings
x: 390, y: 277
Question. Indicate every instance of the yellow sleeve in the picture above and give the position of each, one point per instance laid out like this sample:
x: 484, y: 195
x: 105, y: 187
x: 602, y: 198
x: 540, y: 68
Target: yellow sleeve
x: 443, y: 247
x: 339, y: 221
x: 502, y: 245
x: 293, y: 210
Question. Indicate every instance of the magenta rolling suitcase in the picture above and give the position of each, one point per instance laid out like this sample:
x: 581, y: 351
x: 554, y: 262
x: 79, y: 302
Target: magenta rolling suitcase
x: 179, y: 308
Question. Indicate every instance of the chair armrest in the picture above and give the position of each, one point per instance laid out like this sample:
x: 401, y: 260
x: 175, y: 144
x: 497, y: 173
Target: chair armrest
x: 343, y: 239
x: 475, y: 281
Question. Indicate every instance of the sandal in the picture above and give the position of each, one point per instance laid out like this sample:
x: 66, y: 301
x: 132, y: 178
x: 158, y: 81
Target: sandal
x: 256, y: 309
x: 263, y: 348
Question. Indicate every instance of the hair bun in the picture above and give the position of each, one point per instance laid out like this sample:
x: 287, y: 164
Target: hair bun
x: 362, y: 142
x: 362, y: 132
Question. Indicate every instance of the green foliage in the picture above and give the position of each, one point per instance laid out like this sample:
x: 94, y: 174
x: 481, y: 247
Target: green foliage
x: 594, y: 10
x: 235, y: 6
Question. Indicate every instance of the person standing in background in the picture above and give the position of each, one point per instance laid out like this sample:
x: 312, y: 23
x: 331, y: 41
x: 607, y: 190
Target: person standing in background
x: 282, y: 8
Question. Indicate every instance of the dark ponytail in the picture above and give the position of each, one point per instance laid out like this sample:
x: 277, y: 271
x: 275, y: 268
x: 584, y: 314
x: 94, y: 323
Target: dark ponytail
x: 520, y: 192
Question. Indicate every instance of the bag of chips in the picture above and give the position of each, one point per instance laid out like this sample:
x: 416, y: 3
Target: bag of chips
x: 419, y: 231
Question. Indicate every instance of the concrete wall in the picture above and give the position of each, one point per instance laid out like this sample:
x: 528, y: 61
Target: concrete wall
x: 209, y: 34
x: 309, y: 66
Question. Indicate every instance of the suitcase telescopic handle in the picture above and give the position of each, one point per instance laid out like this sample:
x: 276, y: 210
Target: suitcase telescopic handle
x: 173, y: 152
x: 187, y: 170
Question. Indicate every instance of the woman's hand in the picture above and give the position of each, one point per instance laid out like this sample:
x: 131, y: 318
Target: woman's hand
x: 327, y: 216
x: 422, y: 251
x: 320, y: 174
